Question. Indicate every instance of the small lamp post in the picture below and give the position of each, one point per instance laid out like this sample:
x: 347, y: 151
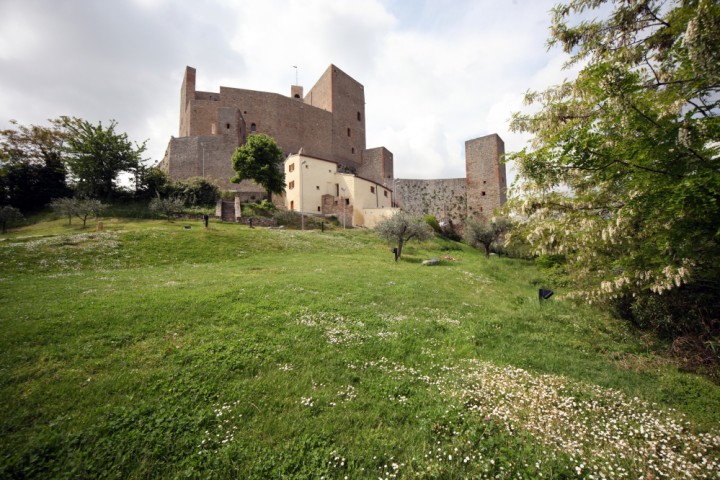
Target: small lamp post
x: 302, y: 190
x: 343, y: 200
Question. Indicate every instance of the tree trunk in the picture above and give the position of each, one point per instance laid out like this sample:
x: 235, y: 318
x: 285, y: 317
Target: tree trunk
x: 400, y: 245
x: 487, y: 250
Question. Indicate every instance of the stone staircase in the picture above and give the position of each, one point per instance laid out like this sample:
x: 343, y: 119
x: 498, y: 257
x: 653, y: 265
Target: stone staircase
x: 228, y: 212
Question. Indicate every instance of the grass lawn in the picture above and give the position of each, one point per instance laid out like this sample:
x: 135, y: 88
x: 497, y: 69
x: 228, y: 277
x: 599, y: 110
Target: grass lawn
x: 150, y: 350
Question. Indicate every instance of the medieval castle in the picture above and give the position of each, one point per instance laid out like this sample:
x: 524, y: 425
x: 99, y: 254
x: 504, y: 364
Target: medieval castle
x: 324, y: 127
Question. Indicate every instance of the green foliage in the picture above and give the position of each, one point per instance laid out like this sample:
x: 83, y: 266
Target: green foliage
x: 485, y: 233
x: 260, y: 209
x: 65, y: 207
x: 151, y: 182
x: 261, y: 160
x: 83, y: 208
x: 96, y: 156
x: 196, y: 191
x: 31, y: 168
x: 433, y: 223
x: 167, y: 207
x: 9, y: 214
x: 401, y: 228
x: 549, y: 261
x: 623, y: 177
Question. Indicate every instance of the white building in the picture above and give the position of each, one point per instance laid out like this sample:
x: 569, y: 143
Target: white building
x: 315, y: 187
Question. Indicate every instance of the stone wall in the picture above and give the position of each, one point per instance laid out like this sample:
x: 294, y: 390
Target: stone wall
x: 446, y: 199
x: 486, y: 179
x: 377, y: 165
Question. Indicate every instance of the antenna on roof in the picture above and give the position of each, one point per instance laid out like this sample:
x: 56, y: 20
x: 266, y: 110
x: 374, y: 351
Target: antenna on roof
x: 296, y: 74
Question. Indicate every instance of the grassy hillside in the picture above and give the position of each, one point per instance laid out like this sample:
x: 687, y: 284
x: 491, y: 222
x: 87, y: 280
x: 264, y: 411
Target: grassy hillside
x: 154, y: 351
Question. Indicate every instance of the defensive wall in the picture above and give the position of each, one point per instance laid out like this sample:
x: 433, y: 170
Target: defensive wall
x: 476, y: 196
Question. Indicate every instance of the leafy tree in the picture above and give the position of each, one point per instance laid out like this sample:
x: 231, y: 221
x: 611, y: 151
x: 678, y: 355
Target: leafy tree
x: 64, y: 206
x: 261, y: 160
x: 88, y: 207
x: 83, y: 208
x: 197, y: 191
x: 31, y: 168
x: 96, y: 156
x: 401, y: 228
x: 150, y: 182
x: 623, y: 174
x: 485, y: 233
x: 167, y: 207
x: 9, y: 214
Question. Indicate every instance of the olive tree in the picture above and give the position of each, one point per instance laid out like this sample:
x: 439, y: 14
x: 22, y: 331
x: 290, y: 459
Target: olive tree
x: 485, y: 233
x: 401, y: 228
x: 9, y: 214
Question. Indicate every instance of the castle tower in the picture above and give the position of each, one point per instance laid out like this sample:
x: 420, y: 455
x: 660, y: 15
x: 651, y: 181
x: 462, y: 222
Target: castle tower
x: 339, y: 93
x: 486, y: 179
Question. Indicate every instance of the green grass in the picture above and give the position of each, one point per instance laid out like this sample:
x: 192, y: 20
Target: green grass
x: 153, y: 351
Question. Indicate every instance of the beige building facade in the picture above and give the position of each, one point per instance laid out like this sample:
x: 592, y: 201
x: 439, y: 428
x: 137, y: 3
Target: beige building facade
x: 316, y: 187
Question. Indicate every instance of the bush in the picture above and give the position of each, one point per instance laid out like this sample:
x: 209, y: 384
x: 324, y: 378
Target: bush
x: 196, y: 191
x: 261, y: 209
x: 549, y: 261
x: 432, y: 221
x: 167, y: 207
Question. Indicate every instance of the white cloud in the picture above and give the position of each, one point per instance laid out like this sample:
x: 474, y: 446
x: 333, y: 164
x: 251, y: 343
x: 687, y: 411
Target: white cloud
x: 436, y: 73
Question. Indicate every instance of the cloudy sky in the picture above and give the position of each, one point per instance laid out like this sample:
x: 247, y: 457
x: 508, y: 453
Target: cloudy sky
x: 436, y: 72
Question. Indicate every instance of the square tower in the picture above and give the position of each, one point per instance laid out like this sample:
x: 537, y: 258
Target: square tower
x: 486, y: 179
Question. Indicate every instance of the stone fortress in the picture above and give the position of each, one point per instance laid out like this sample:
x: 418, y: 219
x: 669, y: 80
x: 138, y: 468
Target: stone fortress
x: 326, y: 124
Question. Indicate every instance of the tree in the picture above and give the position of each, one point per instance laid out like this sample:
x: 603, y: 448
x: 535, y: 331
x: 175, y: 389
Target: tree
x: 150, y: 182
x: 261, y: 160
x: 65, y: 207
x: 31, y: 168
x: 197, y: 191
x: 9, y: 214
x: 88, y: 207
x: 96, y: 156
x: 167, y: 206
x: 401, y: 228
x: 485, y: 233
x: 83, y: 208
x: 623, y: 174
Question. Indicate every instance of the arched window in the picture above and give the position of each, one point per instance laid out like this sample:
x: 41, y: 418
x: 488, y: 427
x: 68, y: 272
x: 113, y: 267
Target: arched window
x: 253, y: 127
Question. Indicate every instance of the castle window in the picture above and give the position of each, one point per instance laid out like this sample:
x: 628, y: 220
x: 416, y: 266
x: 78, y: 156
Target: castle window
x: 227, y: 125
x: 348, y: 132
x: 291, y: 168
x: 482, y: 193
x: 359, y: 117
x: 318, y: 209
x: 385, y: 192
x: 292, y: 204
x: 347, y: 201
x: 291, y: 185
x: 372, y: 189
x: 352, y: 150
x: 297, y: 96
x: 253, y: 127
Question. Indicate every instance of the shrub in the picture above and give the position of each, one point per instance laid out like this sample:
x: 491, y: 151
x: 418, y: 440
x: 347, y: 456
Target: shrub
x: 432, y: 221
x: 167, y: 206
x: 196, y: 191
